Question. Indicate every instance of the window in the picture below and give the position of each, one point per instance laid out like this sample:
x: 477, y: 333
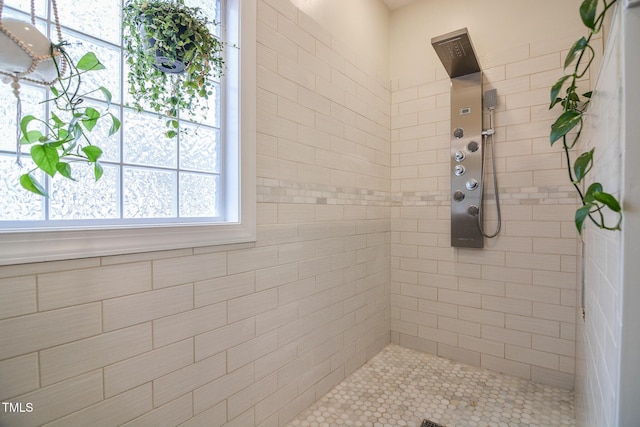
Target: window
x: 156, y: 193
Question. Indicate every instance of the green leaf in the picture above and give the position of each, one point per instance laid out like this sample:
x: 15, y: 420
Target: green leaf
x: 588, y: 13
x: 115, y: 124
x: 610, y: 201
x: 171, y: 133
x: 55, y: 92
x: 582, y: 165
x: 563, y: 125
x: 46, y: 157
x: 97, y: 170
x: 58, y: 123
x: 107, y: 94
x: 65, y: 169
x: 555, y: 90
x: 31, y: 137
x: 577, y: 47
x: 589, y: 197
x: 89, y: 62
x: 93, y: 153
x: 28, y: 182
x: 91, y: 118
x: 24, y: 123
x: 581, y: 216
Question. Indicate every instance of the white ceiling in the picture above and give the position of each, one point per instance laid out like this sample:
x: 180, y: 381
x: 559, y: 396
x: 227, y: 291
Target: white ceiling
x: 396, y: 4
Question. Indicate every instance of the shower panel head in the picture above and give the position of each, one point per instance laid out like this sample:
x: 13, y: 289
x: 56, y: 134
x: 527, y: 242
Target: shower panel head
x: 456, y: 53
x: 491, y: 99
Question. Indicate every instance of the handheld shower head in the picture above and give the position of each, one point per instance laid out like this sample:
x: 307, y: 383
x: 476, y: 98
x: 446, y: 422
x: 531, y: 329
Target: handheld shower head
x: 491, y: 99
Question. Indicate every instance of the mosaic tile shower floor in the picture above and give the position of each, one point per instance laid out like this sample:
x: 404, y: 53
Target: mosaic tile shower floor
x: 401, y: 387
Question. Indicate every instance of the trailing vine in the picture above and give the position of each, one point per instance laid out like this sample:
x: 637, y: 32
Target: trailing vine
x: 568, y: 126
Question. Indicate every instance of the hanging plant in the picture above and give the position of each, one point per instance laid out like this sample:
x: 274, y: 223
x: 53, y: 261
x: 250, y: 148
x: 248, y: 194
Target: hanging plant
x: 568, y: 126
x: 27, y: 54
x: 65, y: 140
x: 173, y: 58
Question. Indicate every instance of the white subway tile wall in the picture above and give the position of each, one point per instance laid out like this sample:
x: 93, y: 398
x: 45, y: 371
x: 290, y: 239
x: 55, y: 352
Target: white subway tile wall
x: 503, y: 308
x: 239, y: 335
x: 353, y: 252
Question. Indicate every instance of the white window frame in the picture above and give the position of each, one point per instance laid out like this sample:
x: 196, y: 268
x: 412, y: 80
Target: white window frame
x: 30, y: 245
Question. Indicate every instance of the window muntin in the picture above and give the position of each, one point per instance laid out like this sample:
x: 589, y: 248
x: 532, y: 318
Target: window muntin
x: 103, y: 237
x: 148, y: 178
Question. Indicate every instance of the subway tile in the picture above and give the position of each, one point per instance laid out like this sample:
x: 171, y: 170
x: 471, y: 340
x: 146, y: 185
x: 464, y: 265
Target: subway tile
x: 58, y: 400
x: 251, y: 350
x: 19, y: 375
x: 214, y: 416
x: 481, y: 345
x: 533, y: 293
x: 438, y: 335
x: 177, y: 383
x: 146, y: 367
x: 179, y: 326
x: 506, y: 305
x: 251, y: 305
x: 480, y: 316
x: 554, y: 312
x: 7, y: 271
x: 463, y: 355
x: 507, y: 336
x: 114, y: 411
x: 224, y: 288
x: 468, y: 299
x: 18, y: 296
x: 459, y: 326
x: 138, y: 308
x: 552, y: 377
x: 220, y: 339
x: 505, y: 366
x: 177, y: 271
x: 532, y: 357
x: 554, y: 345
x: 275, y: 318
x: 275, y: 360
x: 33, y: 332
x: 171, y: 414
x: 217, y: 391
x: 68, y: 360
x: 245, y: 260
x: 251, y: 395
x: 56, y: 290
x: 536, y: 326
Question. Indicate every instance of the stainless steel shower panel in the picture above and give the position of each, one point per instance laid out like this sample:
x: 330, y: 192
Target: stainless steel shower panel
x: 466, y: 160
x: 456, y: 53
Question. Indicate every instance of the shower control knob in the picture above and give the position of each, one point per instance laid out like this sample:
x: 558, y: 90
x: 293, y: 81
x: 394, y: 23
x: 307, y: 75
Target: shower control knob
x: 459, y: 156
x: 473, y: 146
x: 458, y: 133
x: 472, y: 184
x: 458, y: 196
x: 459, y: 170
x: 473, y: 210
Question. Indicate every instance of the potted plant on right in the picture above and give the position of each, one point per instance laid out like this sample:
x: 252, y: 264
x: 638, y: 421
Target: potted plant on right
x: 173, y: 58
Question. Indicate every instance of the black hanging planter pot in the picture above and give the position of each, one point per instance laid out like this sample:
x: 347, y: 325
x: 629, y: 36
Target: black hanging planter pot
x: 174, y: 64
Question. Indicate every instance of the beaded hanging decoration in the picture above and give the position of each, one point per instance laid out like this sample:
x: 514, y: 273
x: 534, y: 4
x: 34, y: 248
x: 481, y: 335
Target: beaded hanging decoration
x: 14, y: 76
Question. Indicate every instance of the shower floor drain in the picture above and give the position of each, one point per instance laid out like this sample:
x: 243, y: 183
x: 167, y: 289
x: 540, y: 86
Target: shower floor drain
x: 427, y: 423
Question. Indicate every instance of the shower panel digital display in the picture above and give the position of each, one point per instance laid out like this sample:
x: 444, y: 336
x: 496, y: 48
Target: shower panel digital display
x: 458, y: 57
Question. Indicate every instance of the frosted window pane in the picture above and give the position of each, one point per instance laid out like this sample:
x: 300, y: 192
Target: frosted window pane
x: 25, y: 6
x: 212, y: 116
x: 145, y: 142
x: 31, y: 98
x: 198, y: 195
x: 210, y: 9
x: 17, y: 203
x: 98, y: 18
x: 199, y: 149
x: 85, y: 198
x: 149, y: 193
x: 108, y: 55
